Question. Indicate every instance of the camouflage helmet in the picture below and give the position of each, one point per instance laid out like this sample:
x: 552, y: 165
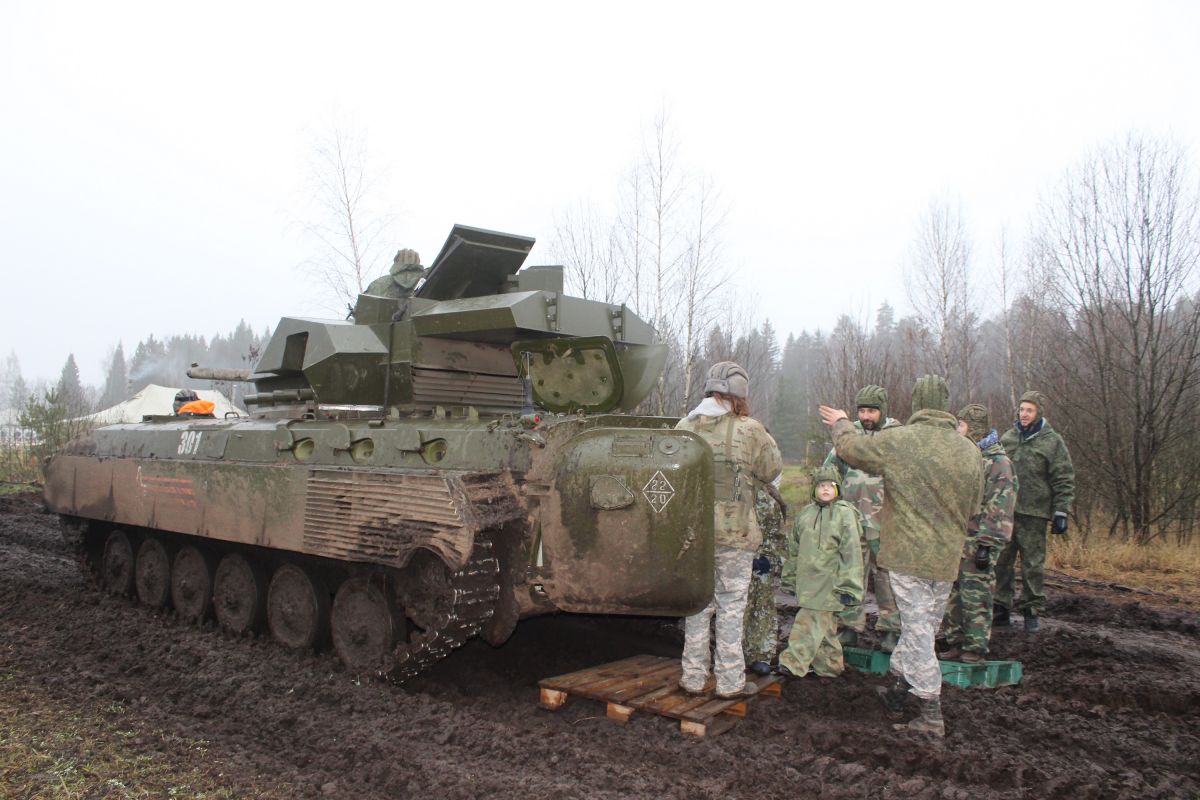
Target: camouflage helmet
x: 1037, y: 398
x: 728, y: 378
x: 930, y: 392
x: 976, y: 417
x: 406, y: 268
x: 873, y: 396
x: 823, y: 474
x: 182, y: 398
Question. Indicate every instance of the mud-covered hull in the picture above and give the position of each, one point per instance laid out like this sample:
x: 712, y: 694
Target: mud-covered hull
x: 467, y: 526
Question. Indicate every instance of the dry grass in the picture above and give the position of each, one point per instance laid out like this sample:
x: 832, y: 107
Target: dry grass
x: 1165, y: 568
x: 19, y: 465
x: 51, y: 750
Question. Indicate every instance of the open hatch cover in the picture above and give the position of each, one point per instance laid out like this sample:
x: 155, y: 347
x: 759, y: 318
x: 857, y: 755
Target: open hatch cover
x: 572, y: 374
x: 474, y: 262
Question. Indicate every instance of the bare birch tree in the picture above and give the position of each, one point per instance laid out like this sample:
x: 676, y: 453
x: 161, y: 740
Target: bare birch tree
x: 937, y: 281
x: 702, y: 279
x: 585, y: 244
x: 1119, y: 242
x: 348, y: 223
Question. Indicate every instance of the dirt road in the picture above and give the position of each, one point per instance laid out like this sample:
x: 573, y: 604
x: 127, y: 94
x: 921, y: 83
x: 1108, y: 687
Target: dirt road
x: 127, y: 702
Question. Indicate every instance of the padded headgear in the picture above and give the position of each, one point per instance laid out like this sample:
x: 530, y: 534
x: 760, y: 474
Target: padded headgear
x: 873, y: 396
x: 976, y: 417
x: 822, y: 474
x: 182, y: 398
x: 728, y: 378
x: 1037, y: 398
x: 930, y: 391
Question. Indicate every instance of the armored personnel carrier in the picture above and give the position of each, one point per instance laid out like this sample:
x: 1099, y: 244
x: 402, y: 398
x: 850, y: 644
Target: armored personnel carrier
x: 440, y: 465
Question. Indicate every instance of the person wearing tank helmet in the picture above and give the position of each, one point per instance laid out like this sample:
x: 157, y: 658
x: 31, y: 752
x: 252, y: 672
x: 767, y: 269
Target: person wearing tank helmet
x: 932, y: 487
x: 188, y: 404
x: 745, y: 457
x: 402, y: 278
x: 864, y: 491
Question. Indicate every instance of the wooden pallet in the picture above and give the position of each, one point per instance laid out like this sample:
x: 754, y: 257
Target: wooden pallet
x: 651, y: 684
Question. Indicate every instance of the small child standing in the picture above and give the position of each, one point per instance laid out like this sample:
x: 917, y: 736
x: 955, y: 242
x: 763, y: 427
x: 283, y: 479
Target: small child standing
x: 824, y: 569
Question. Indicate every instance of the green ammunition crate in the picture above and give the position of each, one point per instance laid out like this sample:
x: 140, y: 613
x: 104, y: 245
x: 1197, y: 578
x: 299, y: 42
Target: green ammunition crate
x: 989, y: 674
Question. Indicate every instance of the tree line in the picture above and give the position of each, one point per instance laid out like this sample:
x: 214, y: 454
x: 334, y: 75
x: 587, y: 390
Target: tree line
x: 1098, y: 307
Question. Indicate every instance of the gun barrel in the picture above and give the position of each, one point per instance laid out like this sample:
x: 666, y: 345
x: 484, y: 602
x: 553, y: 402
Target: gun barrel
x: 219, y: 374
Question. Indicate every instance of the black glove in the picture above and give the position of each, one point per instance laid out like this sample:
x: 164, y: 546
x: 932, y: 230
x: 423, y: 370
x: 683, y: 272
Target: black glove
x: 983, y: 557
x: 1059, y: 525
x: 847, y: 599
x: 761, y: 566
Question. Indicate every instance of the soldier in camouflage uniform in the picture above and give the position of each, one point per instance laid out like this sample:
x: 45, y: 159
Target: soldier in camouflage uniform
x: 1047, y: 477
x: 824, y: 570
x: 400, y: 282
x: 865, y: 492
x: 745, y: 457
x: 967, y: 627
x: 760, y: 638
x: 933, y: 484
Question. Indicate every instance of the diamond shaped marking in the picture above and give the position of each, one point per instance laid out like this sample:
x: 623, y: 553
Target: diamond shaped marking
x: 658, y: 491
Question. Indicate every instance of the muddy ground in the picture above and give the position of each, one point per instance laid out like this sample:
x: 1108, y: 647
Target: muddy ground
x: 1110, y: 707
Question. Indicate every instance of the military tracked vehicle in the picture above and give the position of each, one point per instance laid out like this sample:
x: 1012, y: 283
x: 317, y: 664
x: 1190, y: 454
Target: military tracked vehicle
x: 441, y: 464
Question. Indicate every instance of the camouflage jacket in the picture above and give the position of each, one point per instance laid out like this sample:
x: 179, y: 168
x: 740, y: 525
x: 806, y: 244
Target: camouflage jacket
x: 744, y: 453
x: 861, y: 489
x: 824, y: 556
x: 1044, y: 470
x: 769, y: 517
x: 932, y: 483
x: 993, y: 525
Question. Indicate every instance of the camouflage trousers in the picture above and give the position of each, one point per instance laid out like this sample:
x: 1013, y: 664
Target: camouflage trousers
x: 855, y: 616
x: 1028, y: 539
x: 813, y: 644
x: 968, y: 620
x: 731, y: 581
x: 922, y: 603
x: 760, y: 639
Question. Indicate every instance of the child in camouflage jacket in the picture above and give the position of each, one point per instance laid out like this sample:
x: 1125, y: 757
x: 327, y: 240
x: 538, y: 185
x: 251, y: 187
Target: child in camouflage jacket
x: 824, y: 569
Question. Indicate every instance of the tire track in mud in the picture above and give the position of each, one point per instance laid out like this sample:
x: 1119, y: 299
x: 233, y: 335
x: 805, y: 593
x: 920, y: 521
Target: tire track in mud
x: 1107, y: 709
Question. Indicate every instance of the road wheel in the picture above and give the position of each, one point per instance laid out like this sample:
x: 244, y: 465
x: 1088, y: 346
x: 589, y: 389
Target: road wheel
x: 240, y: 595
x: 152, y: 574
x: 191, y: 583
x: 117, y: 564
x: 297, y: 608
x: 363, y: 622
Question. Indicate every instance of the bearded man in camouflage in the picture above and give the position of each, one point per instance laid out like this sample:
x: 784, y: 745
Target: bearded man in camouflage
x: 1047, y: 479
x: 932, y: 486
x: 865, y: 492
x: 745, y: 458
x: 967, y: 627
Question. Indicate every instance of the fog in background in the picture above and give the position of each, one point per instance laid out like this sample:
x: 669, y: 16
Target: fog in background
x: 154, y: 157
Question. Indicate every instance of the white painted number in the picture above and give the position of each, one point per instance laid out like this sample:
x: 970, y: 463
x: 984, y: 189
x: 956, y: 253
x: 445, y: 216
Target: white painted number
x: 189, y: 443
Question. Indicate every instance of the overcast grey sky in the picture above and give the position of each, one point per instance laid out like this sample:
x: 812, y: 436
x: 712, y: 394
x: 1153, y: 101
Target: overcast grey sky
x: 152, y: 155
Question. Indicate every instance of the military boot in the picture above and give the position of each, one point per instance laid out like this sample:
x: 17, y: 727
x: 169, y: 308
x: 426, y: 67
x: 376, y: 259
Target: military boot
x: 969, y: 657
x: 1000, y: 617
x: 889, y: 640
x: 1031, y: 622
x: 760, y: 668
x: 953, y: 654
x: 848, y: 637
x: 928, y: 722
x: 893, y: 697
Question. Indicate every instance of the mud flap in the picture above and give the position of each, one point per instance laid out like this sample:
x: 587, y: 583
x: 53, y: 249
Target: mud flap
x: 628, y: 526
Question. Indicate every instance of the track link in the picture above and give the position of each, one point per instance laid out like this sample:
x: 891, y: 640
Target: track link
x: 474, y: 590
